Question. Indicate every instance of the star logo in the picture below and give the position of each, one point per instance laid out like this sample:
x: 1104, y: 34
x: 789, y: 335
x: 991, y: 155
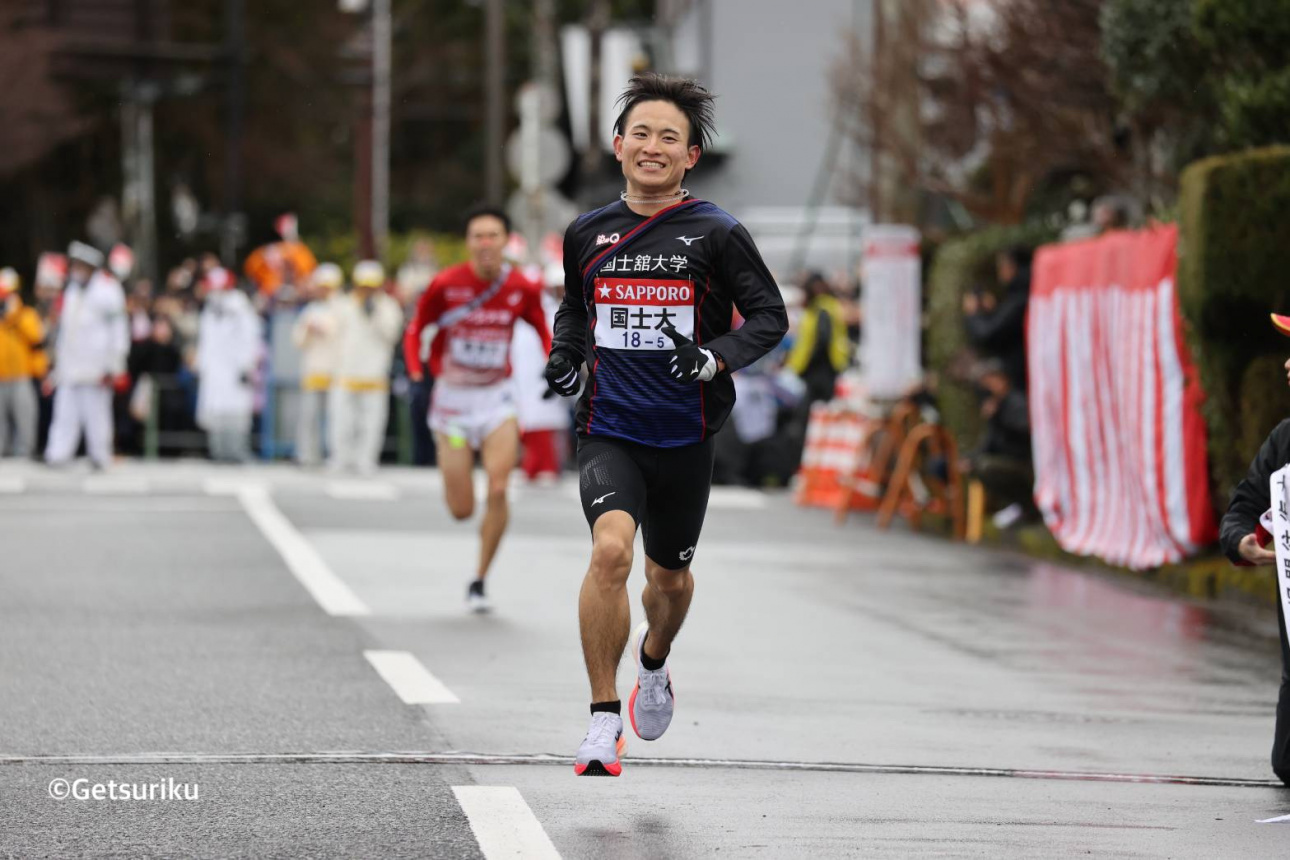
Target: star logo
x: 604, y: 291
x: 688, y: 240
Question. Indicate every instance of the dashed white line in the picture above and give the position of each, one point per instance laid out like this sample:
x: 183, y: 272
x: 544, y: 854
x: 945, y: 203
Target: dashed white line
x: 114, y: 486
x: 379, y: 491
x: 411, y: 681
x: 333, y: 595
x: 503, y: 824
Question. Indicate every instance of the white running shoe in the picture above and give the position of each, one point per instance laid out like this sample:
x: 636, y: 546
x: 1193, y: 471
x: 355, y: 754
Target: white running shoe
x: 652, y: 702
x: 476, y: 600
x: 602, y: 747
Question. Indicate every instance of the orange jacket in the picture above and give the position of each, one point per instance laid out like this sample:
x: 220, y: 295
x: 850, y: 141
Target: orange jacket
x: 20, y: 333
x: 270, y: 266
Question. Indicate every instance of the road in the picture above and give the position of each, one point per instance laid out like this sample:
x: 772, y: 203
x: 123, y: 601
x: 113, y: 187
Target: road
x: 250, y: 636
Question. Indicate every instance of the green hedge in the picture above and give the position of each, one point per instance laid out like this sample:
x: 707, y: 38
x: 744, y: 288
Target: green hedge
x: 1233, y: 269
x: 960, y: 266
x: 342, y: 248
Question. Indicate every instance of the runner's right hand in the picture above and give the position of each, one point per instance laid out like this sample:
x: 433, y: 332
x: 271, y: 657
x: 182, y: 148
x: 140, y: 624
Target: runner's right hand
x: 561, y: 375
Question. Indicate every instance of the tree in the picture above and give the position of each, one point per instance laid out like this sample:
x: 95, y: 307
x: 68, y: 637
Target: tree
x: 1015, y: 105
x: 1248, y: 47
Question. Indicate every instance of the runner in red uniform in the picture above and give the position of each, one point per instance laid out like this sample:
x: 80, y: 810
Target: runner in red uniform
x: 473, y: 308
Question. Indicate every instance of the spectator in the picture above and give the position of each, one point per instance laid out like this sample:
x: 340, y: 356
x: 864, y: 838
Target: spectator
x: 416, y: 273
x: 821, y: 348
x: 156, y: 366
x: 89, y: 361
x: 229, y: 343
x: 1002, y: 461
x: 544, y: 418
x: 280, y: 269
x: 998, y: 329
x: 21, y: 333
x: 314, y: 334
x: 369, y: 323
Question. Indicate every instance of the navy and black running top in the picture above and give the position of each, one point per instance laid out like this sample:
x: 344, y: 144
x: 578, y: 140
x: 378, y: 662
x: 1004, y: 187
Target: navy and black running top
x: 627, y: 277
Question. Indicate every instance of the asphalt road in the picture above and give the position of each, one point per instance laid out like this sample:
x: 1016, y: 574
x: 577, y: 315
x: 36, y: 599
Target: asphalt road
x: 232, y: 650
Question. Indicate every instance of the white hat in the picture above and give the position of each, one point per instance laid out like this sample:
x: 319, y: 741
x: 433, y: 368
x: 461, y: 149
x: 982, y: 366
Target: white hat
x: 328, y: 275
x: 9, y: 280
x: 79, y: 252
x: 369, y: 273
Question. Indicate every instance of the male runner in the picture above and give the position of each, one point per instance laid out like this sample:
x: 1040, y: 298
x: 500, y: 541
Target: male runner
x: 651, y: 284
x: 474, y: 306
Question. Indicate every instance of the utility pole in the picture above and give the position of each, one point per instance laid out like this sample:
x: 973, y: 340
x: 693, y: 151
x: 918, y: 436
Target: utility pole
x: 597, y: 23
x: 494, y: 115
x: 382, y: 49
x: 897, y: 37
x: 233, y: 227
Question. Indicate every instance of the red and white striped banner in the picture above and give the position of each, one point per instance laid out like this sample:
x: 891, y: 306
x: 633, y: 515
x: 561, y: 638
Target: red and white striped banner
x: 1121, y: 469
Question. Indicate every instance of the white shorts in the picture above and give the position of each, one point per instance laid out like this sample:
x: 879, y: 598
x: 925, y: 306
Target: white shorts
x: 470, y: 412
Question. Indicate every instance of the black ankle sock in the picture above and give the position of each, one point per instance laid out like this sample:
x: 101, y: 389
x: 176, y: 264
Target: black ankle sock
x: 614, y: 707
x: 477, y: 587
x: 649, y: 662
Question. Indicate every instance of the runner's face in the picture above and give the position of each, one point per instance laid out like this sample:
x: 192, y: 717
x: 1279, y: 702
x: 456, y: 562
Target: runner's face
x: 654, y: 150
x: 485, y: 240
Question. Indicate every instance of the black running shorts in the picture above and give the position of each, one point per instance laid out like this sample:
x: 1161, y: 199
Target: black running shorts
x: 664, y: 489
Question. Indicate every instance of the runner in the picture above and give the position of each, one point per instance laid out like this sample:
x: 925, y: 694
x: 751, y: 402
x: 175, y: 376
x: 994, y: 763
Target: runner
x: 474, y: 306
x: 651, y: 284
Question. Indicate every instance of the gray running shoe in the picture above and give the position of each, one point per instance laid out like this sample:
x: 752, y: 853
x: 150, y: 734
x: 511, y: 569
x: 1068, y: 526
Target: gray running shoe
x: 601, y: 748
x: 652, y: 702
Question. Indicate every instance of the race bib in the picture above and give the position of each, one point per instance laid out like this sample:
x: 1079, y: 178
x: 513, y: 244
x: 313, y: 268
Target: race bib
x: 479, y: 354
x: 631, y: 313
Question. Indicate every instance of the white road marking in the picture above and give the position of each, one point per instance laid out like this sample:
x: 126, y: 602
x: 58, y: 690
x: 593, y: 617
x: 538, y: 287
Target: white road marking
x: 333, y: 595
x: 380, y: 491
x: 1280, y: 819
x: 108, y: 485
x: 411, y: 680
x: 12, y: 486
x: 736, y: 498
x: 502, y: 822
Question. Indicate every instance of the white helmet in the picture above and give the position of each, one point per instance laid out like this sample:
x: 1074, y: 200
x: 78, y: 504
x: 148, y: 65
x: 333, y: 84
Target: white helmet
x: 328, y: 276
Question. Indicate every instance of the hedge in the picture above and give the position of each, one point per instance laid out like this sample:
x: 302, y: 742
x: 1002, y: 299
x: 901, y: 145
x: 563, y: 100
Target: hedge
x: 1233, y: 269
x: 962, y: 265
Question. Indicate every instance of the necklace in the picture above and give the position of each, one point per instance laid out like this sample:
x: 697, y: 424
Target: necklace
x: 631, y: 198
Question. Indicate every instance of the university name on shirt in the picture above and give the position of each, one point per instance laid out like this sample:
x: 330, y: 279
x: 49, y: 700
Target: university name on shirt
x: 674, y: 263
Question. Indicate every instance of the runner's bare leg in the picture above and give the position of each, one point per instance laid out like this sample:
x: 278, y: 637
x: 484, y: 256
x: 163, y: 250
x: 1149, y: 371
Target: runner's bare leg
x: 667, y: 600
x: 604, y: 610
x: 500, y: 453
x: 456, y: 461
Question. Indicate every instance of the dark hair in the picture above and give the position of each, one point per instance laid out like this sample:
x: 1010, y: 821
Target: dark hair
x: 482, y: 210
x: 1020, y: 255
x: 815, y: 284
x: 688, y: 95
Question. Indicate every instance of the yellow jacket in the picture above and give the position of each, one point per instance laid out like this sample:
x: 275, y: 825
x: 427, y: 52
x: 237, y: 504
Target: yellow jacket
x: 804, y: 347
x: 20, y: 332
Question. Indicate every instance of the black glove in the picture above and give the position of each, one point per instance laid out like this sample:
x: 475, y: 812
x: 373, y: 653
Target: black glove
x: 561, y: 375
x: 688, y: 362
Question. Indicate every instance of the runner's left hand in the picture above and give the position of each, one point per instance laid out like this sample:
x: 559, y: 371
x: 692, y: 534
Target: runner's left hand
x: 689, y: 362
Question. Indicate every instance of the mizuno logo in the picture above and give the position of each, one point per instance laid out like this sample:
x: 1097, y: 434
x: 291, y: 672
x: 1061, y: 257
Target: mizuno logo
x: 688, y: 240
x: 602, y: 498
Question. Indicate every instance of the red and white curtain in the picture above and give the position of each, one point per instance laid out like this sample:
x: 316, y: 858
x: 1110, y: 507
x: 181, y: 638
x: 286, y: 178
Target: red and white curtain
x: 1121, y: 470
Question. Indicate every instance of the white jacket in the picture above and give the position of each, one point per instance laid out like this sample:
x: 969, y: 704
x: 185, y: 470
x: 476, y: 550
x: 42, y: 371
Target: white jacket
x: 315, y: 335
x: 528, y: 361
x: 93, y: 334
x: 366, y: 341
x: 229, y: 344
